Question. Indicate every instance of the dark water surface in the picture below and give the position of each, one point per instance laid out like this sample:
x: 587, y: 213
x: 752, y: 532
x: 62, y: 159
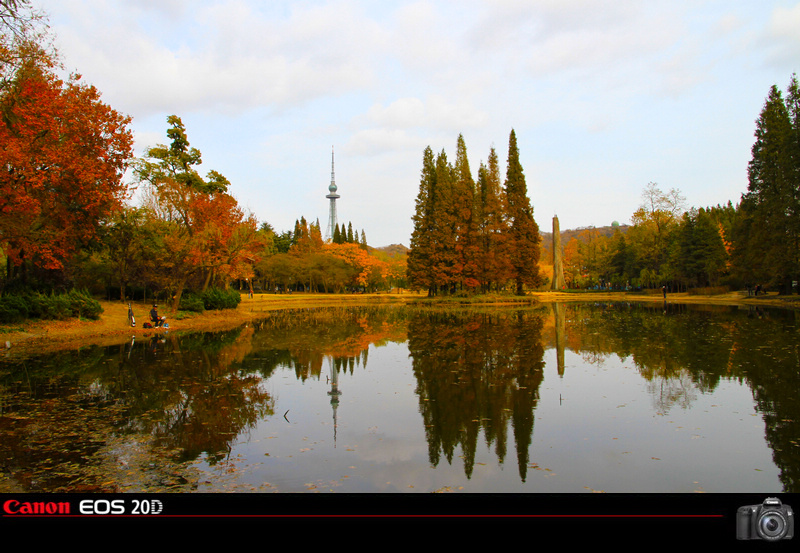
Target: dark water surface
x: 561, y: 398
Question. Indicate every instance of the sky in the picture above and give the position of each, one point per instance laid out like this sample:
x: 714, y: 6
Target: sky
x: 605, y: 96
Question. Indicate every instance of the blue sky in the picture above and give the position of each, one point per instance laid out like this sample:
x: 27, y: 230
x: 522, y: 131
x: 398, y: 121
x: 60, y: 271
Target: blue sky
x: 604, y: 96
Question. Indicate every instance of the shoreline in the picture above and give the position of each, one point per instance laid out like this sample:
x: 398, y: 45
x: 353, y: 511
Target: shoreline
x: 33, y: 337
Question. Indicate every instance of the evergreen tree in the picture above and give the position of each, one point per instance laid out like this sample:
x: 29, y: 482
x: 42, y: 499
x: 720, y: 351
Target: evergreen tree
x: 524, y: 238
x: 445, y: 262
x: 772, y: 201
x: 422, y: 246
x: 464, y: 219
x: 494, y: 262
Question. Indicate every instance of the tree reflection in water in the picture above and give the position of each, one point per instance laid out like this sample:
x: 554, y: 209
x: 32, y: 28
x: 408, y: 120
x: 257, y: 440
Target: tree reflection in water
x: 141, y: 415
x: 477, y: 372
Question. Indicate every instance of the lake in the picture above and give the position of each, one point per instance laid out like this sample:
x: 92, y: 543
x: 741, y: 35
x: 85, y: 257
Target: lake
x: 560, y: 398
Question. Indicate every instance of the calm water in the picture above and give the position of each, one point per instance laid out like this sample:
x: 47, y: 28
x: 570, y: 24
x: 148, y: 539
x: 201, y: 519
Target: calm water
x: 562, y: 398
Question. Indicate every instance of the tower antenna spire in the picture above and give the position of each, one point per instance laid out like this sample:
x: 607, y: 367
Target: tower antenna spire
x: 332, y: 196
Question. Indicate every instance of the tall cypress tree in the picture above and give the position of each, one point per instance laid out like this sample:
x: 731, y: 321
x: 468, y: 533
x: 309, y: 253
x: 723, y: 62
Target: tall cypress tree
x: 494, y: 261
x: 445, y: 259
x: 464, y: 219
x: 524, y: 238
x: 422, y: 247
x: 772, y: 201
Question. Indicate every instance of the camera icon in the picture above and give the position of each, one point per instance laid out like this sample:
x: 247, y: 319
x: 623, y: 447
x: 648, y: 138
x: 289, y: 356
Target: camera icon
x: 770, y: 521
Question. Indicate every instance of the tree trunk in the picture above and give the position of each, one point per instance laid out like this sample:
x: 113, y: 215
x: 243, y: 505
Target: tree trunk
x: 177, y: 300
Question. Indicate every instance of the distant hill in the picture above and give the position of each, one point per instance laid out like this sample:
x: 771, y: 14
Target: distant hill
x: 393, y: 250
x: 567, y: 235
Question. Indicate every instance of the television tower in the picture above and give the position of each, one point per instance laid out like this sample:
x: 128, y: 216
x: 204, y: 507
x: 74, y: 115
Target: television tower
x: 333, y: 196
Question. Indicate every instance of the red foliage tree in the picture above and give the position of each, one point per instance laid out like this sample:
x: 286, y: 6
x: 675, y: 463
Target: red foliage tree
x: 63, y: 153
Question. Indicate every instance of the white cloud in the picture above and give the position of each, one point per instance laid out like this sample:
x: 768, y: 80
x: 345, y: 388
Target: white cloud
x: 435, y: 112
x: 370, y: 142
x: 783, y: 34
x: 223, y: 56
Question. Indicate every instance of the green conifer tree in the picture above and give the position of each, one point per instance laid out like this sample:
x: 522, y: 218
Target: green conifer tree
x: 524, y: 238
x: 422, y: 252
x: 772, y: 201
x: 464, y: 219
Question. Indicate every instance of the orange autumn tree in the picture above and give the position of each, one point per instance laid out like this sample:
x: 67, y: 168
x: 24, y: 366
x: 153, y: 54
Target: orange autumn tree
x: 369, y: 271
x: 62, y: 156
x: 494, y: 259
x: 205, y: 235
x: 227, y: 243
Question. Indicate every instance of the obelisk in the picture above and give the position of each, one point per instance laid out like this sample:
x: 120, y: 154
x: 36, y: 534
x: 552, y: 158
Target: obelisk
x: 558, y: 267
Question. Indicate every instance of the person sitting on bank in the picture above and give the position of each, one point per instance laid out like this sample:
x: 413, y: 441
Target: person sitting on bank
x: 157, y: 321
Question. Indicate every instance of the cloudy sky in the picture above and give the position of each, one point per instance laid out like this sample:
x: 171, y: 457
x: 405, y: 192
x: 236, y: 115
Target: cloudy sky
x: 604, y: 96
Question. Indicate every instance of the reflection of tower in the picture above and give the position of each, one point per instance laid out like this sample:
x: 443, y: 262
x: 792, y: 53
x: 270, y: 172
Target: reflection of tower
x: 334, y: 393
x: 558, y: 267
x: 559, y: 312
x: 333, y: 196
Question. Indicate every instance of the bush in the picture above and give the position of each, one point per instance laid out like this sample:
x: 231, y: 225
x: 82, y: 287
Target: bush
x: 191, y: 302
x: 34, y: 305
x: 13, y: 309
x: 83, y: 305
x: 50, y: 307
x: 214, y: 298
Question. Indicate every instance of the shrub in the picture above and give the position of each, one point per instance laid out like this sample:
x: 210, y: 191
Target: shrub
x: 84, y: 305
x: 13, y: 309
x: 215, y: 298
x: 191, y: 302
x: 34, y: 305
x: 50, y: 307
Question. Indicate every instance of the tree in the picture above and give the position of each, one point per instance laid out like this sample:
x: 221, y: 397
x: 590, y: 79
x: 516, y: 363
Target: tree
x: 701, y: 256
x: 444, y: 262
x: 126, y: 240
x: 653, y: 226
x: 205, y: 232
x: 422, y: 245
x: 465, y: 220
x: 23, y: 40
x: 63, y: 153
x: 524, y: 238
x: 494, y: 263
x: 772, y: 201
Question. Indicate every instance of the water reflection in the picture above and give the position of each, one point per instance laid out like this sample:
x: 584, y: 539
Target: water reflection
x: 158, y: 401
x: 684, y: 352
x: 418, y: 398
x: 477, y: 372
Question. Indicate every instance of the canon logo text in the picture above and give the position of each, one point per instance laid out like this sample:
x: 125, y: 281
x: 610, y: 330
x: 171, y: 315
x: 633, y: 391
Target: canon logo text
x: 14, y: 507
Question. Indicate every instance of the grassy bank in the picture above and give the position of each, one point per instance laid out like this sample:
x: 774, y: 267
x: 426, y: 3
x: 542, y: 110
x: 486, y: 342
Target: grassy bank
x: 111, y: 327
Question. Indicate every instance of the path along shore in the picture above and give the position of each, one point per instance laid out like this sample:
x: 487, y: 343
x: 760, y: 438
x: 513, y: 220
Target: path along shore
x: 32, y: 337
